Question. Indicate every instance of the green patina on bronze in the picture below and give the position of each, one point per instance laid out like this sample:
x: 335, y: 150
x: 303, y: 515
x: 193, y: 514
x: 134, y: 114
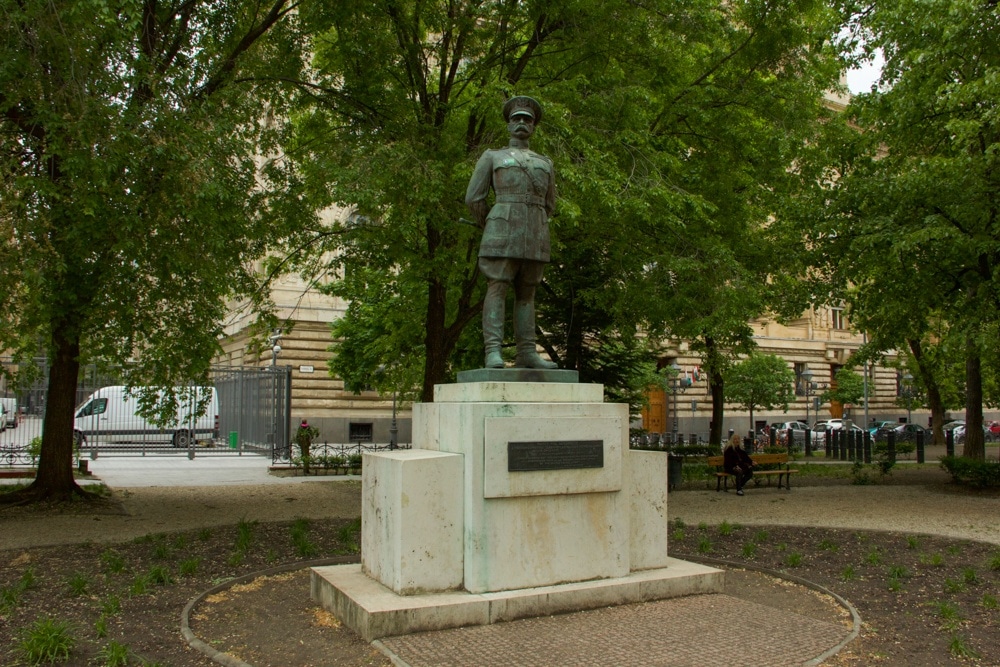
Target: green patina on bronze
x: 515, y: 245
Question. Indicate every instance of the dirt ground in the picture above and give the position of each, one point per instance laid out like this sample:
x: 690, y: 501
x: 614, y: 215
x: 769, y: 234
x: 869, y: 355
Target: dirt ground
x: 918, y: 558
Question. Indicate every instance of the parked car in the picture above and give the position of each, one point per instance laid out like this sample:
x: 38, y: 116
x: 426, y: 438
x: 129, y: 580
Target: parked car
x: 875, y: 426
x: 994, y: 431
x: 904, y: 433
x: 10, y: 411
x: 798, y: 430
x: 820, y: 428
x: 958, y: 428
x: 113, y: 415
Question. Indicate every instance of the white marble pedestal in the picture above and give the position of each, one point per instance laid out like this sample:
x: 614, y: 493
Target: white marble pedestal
x: 520, y: 499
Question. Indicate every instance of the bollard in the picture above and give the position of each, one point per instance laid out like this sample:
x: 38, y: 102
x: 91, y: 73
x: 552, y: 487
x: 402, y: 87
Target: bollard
x: 920, y: 446
x: 827, y: 444
x: 790, y: 441
x: 843, y: 445
x: 891, y: 446
x: 868, y: 447
x: 808, y: 444
x: 949, y: 443
x: 851, y: 446
x: 772, y: 438
x: 834, y: 452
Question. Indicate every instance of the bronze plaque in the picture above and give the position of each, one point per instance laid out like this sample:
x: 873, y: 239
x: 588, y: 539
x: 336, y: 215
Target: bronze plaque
x: 555, y: 455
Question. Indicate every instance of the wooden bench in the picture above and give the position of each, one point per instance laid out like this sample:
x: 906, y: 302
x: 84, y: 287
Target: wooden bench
x: 780, y: 470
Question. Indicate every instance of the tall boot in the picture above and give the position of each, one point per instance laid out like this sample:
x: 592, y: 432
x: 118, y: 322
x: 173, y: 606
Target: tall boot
x: 524, y: 334
x: 493, y: 316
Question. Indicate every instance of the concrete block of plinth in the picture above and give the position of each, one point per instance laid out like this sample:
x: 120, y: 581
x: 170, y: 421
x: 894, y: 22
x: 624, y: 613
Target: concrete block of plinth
x: 412, y: 520
x: 646, y: 489
x: 373, y: 611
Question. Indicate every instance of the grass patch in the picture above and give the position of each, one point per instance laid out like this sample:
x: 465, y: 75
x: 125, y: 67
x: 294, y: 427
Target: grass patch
x: 969, y: 576
x: 77, y: 585
x: 114, y: 654
x: 677, y: 535
x: 46, y: 641
x: 101, y: 627
x: 874, y: 557
x: 953, y: 585
x: 828, y: 545
x: 761, y: 536
x: 898, y: 572
x: 705, y: 545
x: 989, y: 601
x: 349, y: 535
x: 159, y: 575
x: 111, y: 605
x: 112, y: 562
x: 793, y: 559
x: 750, y: 550
x: 304, y: 547
x: 932, y: 560
x: 139, y: 586
x: 848, y: 573
x: 725, y: 529
x: 912, y: 541
x: 960, y: 649
x: 679, y: 523
x: 189, y: 567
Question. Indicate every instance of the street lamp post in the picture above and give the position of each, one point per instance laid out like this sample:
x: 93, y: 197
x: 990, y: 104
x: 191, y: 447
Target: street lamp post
x: 907, y: 390
x: 807, y: 376
x: 677, y: 385
x: 393, y: 427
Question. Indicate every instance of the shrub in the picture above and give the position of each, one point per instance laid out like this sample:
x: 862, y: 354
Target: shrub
x: 980, y: 474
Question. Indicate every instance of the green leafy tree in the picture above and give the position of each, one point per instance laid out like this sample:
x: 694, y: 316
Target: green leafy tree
x: 848, y: 389
x: 672, y: 126
x: 916, y: 188
x: 760, y: 381
x: 132, y: 205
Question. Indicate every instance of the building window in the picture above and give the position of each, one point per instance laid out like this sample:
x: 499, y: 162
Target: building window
x: 359, y: 432
x: 837, y: 320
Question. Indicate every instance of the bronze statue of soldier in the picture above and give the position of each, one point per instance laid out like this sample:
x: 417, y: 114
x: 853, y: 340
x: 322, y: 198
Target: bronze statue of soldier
x: 515, y: 245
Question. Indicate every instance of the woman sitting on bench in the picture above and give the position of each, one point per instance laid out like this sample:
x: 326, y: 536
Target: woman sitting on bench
x: 737, y: 462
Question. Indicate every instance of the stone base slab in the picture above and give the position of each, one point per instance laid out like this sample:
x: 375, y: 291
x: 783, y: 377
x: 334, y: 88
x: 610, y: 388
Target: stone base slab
x: 374, y: 611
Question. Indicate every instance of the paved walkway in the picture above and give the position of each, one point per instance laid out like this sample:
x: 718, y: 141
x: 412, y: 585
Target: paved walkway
x: 683, y: 632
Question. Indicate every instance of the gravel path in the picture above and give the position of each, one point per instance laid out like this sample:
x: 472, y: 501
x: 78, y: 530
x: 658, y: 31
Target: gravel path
x: 924, y: 502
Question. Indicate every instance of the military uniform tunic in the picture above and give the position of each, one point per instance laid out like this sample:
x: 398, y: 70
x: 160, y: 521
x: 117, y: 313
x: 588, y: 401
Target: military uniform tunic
x: 517, y: 226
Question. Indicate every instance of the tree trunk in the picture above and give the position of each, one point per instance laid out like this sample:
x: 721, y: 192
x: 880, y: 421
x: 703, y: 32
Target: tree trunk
x: 435, y: 356
x: 934, y: 401
x: 975, y: 445
x: 717, y: 388
x: 55, y: 465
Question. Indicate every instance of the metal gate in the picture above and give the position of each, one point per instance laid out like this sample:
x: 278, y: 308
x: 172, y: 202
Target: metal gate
x: 241, y: 409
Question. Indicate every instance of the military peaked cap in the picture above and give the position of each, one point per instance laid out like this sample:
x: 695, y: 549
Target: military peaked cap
x: 522, y: 104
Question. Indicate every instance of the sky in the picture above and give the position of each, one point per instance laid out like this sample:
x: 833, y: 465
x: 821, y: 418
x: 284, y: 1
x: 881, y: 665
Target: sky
x: 860, y: 80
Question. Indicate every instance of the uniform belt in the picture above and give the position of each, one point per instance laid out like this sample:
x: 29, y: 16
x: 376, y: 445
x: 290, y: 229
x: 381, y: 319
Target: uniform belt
x: 534, y: 200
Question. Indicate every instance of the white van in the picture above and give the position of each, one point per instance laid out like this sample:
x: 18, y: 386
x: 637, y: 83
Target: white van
x: 10, y: 411
x: 111, y: 414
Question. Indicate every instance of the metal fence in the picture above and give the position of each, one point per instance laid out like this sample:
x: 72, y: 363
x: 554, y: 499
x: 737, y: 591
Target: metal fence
x: 242, y: 409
